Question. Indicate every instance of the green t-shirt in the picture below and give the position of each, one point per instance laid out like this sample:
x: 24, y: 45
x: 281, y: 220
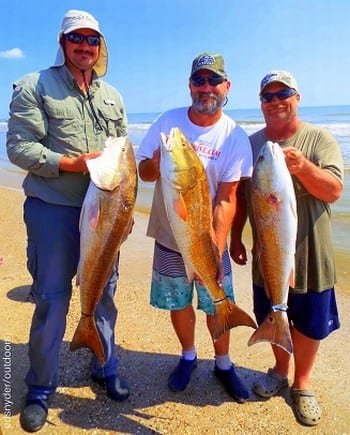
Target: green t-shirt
x: 314, y: 258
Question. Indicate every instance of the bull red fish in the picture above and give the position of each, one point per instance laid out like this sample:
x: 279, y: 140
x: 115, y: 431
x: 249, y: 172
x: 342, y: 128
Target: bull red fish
x: 189, y: 208
x: 275, y: 216
x: 105, y: 222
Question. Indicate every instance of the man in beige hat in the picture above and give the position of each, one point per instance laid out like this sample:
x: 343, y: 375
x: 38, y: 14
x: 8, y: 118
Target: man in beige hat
x: 60, y: 118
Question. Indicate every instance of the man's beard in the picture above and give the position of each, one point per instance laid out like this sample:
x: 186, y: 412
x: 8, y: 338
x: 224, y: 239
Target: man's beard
x: 217, y: 102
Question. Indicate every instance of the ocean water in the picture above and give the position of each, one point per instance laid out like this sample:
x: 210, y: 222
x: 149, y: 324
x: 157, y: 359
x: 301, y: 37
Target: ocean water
x: 336, y: 119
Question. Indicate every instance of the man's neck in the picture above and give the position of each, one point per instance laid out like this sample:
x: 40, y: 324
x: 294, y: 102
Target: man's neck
x: 83, y: 78
x: 204, y: 119
x: 282, y: 132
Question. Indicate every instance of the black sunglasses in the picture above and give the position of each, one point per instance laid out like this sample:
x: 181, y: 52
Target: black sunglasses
x: 78, y: 38
x: 283, y: 94
x: 212, y: 80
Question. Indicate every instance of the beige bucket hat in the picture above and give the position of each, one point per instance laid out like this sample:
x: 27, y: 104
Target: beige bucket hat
x: 73, y: 20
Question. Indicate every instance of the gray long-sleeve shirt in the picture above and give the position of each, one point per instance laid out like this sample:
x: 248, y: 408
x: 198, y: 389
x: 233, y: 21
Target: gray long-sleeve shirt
x: 50, y: 117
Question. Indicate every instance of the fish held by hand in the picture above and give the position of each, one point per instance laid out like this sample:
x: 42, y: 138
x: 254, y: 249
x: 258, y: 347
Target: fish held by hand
x: 106, y: 220
x: 189, y: 208
x: 274, y: 210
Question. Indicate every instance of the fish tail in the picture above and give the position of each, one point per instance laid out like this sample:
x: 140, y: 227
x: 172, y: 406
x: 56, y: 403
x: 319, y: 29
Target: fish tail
x: 228, y: 315
x: 87, y: 335
x: 274, y: 329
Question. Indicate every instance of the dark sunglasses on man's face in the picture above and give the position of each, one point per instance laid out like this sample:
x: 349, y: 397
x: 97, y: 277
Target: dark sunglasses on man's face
x: 283, y: 94
x: 78, y: 38
x: 212, y: 80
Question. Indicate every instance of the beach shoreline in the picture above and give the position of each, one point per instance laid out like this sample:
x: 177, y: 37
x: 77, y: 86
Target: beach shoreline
x: 148, y: 350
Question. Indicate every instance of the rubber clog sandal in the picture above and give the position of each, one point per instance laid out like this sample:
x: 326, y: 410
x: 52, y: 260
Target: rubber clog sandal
x: 270, y: 385
x: 306, y: 407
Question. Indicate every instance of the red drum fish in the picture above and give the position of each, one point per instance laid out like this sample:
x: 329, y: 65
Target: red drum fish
x: 275, y: 216
x: 105, y: 222
x: 189, y: 208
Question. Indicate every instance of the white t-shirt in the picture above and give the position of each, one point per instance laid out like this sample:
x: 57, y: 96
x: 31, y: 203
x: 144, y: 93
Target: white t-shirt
x: 223, y: 148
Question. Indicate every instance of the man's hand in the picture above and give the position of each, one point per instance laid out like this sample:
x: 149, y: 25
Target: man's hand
x: 77, y: 164
x: 149, y: 168
x: 238, y: 252
x: 294, y: 159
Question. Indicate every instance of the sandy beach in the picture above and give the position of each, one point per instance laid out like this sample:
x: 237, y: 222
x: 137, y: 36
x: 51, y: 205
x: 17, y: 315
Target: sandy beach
x: 148, y: 350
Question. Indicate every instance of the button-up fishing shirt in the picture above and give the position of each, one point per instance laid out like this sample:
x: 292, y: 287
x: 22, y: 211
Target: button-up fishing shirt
x: 50, y: 117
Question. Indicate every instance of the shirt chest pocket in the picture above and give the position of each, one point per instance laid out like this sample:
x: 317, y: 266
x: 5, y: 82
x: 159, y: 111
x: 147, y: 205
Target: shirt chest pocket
x: 112, y: 120
x: 63, y: 120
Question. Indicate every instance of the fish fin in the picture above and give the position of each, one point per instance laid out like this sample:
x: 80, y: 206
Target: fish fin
x: 87, y: 335
x: 228, y: 315
x: 189, y: 273
x: 77, y: 276
x: 294, y: 209
x: 214, y: 247
x: 180, y: 207
x: 292, y: 278
x: 275, y: 330
x: 258, y: 257
x: 93, y: 215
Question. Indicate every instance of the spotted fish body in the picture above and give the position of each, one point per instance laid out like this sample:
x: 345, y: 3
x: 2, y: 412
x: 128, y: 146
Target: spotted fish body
x: 275, y: 217
x: 105, y: 222
x: 189, y: 208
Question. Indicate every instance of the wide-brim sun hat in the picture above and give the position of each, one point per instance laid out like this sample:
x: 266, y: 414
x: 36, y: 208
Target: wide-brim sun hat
x: 74, y: 20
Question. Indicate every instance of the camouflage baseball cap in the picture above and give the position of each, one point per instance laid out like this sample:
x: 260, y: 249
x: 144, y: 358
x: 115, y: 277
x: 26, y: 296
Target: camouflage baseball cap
x: 279, y: 76
x: 211, y: 62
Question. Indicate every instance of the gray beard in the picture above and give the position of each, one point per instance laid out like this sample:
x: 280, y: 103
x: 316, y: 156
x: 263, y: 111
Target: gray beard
x: 210, y: 108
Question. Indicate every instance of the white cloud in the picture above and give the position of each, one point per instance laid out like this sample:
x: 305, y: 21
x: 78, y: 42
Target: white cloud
x: 14, y: 53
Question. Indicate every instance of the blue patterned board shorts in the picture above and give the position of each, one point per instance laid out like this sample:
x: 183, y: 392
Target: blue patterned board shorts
x: 170, y: 289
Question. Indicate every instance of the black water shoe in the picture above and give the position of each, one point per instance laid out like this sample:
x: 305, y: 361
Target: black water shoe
x: 117, y: 388
x: 232, y: 384
x: 180, y: 377
x: 34, y: 415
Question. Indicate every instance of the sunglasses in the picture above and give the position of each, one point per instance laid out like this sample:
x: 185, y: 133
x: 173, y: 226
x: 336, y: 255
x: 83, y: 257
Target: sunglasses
x: 212, y: 80
x: 78, y: 38
x: 283, y: 94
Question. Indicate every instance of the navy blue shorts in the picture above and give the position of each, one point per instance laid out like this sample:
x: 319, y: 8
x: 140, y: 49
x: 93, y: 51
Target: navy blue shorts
x: 314, y: 314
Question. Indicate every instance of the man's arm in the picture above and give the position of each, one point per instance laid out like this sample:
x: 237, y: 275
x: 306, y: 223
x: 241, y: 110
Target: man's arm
x: 237, y: 249
x: 224, y: 211
x: 317, y: 181
x: 149, y: 168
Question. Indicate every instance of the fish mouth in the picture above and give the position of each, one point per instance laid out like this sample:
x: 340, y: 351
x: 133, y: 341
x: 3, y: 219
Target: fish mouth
x: 164, y: 141
x: 167, y: 141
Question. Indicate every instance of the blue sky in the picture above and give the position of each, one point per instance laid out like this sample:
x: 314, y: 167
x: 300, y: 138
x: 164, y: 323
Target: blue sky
x: 152, y: 44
